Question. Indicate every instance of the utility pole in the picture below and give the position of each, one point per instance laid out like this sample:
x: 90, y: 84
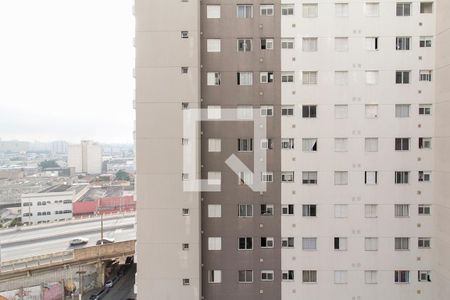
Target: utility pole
x: 101, y: 227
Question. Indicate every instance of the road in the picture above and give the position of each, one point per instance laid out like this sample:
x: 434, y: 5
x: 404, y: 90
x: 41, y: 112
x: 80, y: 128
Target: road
x: 54, y: 237
x: 122, y: 290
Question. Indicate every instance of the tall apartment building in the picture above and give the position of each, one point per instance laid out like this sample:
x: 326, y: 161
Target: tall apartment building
x: 85, y: 157
x: 357, y: 103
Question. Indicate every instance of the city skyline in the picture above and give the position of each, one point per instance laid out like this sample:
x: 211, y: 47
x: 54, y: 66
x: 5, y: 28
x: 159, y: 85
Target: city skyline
x: 68, y: 82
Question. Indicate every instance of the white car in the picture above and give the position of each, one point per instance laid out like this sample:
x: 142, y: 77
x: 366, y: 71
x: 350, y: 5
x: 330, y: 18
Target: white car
x: 79, y: 241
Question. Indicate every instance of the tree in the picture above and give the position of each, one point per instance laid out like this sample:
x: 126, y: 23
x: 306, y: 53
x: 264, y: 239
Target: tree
x: 46, y: 164
x: 122, y: 175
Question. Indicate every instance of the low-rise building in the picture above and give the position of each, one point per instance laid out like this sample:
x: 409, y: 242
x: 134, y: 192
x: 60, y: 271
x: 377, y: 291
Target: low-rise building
x: 49, y: 205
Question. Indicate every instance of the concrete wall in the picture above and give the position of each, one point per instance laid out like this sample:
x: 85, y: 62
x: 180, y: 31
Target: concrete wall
x: 441, y: 205
x: 160, y: 90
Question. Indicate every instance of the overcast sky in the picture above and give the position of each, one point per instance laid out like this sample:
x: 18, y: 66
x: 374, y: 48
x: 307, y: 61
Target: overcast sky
x: 66, y: 70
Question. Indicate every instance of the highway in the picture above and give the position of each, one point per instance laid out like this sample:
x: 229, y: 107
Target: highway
x: 24, y: 242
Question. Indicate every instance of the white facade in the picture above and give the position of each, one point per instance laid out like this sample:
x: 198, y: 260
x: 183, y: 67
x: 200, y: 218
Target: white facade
x: 86, y: 157
x: 345, y: 58
x: 47, y: 207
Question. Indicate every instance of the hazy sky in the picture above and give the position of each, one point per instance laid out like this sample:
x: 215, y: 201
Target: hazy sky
x: 66, y: 70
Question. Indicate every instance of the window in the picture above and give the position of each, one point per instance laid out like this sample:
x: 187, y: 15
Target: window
x: 287, y: 143
x: 245, y: 178
x: 372, y: 77
x: 371, y: 111
x: 341, y: 77
x: 341, y: 44
x: 287, y: 43
x: 244, y: 45
x: 214, y: 243
x: 424, y: 210
x: 213, y: 78
x: 340, y: 177
x: 309, y: 145
x: 310, y: 10
x: 266, y: 44
x: 371, y: 177
x: 266, y: 9
x: 371, y: 144
x: 424, y: 143
x: 186, y: 281
x: 287, y: 275
x: 341, y: 9
x: 245, y: 276
x: 425, y: 41
x: 426, y: 7
x: 370, y: 277
x: 245, y: 210
x: 309, y: 276
x: 340, y: 144
x: 287, y: 9
x: 309, y: 111
x: 267, y: 242
x: 403, y: 9
x: 424, y: 176
x: 185, y: 34
x: 185, y: 211
x: 245, y: 11
x: 401, y: 276
x: 372, y: 43
x: 213, y: 11
x: 213, y: 45
x: 341, y: 111
x: 287, y: 110
x: 244, y: 78
x: 266, y: 210
x: 214, y: 178
x: 402, y: 77
x: 371, y: 244
x: 266, y: 275
x: 214, y: 210
x: 265, y: 77
x: 340, y: 277
x: 401, y: 243
x: 309, y: 77
x: 287, y: 77
x: 403, y: 43
x: 267, y: 176
x: 401, y: 144
x: 287, y: 176
x: 402, y: 110
x: 245, y: 145
x: 309, y: 210
x: 309, y: 177
x: 287, y: 242
x: 266, y: 144
x: 341, y: 211
x: 287, y: 209
x: 245, y: 243
x: 424, y: 276
x: 401, y: 210
x: 401, y: 177
x: 340, y: 243
x: 424, y: 242
x: 424, y: 109
x: 214, y: 276
x: 372, y: 9
x: 184, y: 70
x: 266, y: 111
x: 309, y: 44
x: 309, y: 243
x: 370, y: 210
x: 425, y: 75
x: 244, y: 112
